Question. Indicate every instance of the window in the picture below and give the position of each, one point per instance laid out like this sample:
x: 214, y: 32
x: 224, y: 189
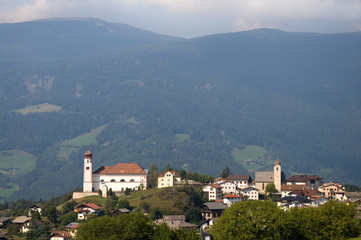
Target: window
x: 131, y: 180
x: 122, y: 180
x: 102, y: 180
x: 113, y: 180
x: 87, y: 168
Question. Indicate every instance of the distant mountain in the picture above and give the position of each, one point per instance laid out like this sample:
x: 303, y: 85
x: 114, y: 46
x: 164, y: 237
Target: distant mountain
x: 196, y: 104
x: 70, y: 37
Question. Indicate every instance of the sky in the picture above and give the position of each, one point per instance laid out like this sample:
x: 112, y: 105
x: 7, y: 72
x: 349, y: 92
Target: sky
x: 193, y: 18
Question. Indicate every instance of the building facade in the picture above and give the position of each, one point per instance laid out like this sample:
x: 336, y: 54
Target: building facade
x: 168, y: 179
x: 117, y: 178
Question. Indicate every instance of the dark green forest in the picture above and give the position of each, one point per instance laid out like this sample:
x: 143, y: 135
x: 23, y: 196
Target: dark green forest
x: 295, y: 94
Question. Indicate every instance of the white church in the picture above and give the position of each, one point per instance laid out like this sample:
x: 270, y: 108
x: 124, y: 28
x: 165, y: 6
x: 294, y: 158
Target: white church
x: 117, y: 178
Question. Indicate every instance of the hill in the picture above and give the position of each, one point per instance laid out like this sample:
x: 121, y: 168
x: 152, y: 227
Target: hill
x: 193, y: 104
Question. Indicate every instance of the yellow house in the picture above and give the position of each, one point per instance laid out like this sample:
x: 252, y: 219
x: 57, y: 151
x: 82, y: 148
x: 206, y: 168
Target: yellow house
x: 168, y: 179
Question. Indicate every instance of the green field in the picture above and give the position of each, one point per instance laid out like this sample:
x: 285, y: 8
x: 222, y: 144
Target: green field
x: 252, y: 153
x: 71, y: 145
x: 45, y: 107
x: 5, y: 193
x: 181, y: 137
x: 15, y: 162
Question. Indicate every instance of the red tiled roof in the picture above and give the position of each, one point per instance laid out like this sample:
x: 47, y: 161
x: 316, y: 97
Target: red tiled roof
x: 60, y: 234
x: 174, y: 173
x: 121, y: 168
x: 215, y: 185
x: 232, y: 196
x: 89, y: 205
x: 303, y: 178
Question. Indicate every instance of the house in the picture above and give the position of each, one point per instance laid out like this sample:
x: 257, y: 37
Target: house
x: 263, y: 178
x: 24, y: 223
x: 231, y: 198
x: 312, y: 181
x: 220, y: 180
x: 350, y: 197
x: 206, y: 225
x: 293, y: 201
x: 317, y: 201
x: 190, y: 182
x: 241, y: 181
x: 83, y: 210
x: 4, y: 222
x: 120, y: 211
x: 60, y: 235
x: 35, y: 208
x: 117, y: 178
x: 229, y: 187
x: 168, y: 179
x: 330, y: 189
x: 214, y: 191
x: 212, y: 210
x: 72, y: 228
x: 176, y: 222
x: 299, y: 190
x: 250, y: 192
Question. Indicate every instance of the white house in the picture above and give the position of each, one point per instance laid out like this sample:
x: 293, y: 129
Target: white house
x: 231, y: 198
x: 229, y: 187
x: 214, y: 191
x: 242, y: 181
x: 250, y: 192
x: 60, y: 235
x: 118, y: 177
x: 83, y: 210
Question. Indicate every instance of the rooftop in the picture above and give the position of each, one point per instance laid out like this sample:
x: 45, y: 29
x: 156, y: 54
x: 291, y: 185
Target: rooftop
x: 121, y: 168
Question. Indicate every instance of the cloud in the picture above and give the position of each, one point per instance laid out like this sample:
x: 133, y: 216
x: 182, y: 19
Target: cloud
x: 198, y: 17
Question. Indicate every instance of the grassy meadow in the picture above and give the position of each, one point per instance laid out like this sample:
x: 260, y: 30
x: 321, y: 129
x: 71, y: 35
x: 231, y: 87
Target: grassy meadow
x: 44, y: 107
x: 68, y: 146
x: 15, y: 162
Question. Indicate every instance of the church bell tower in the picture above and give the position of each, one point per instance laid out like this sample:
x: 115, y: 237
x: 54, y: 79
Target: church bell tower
x: 88, y: 172
x: 277, y: 175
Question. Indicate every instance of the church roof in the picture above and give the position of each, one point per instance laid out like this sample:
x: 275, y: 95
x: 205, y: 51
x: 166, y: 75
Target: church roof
x: 121, y: 168
x: 262, y: 176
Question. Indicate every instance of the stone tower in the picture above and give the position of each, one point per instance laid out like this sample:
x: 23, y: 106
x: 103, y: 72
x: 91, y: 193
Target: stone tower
x: 277, y: 175
x: 88, y: 172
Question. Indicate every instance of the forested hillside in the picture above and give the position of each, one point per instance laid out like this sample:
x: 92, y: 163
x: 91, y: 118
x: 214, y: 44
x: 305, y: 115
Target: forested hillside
x: 187, y: 102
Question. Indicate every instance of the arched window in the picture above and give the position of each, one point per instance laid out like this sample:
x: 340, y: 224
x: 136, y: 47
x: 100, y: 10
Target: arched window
x: 131, y: 180
x: 122, y: 180
x: 113, y: 180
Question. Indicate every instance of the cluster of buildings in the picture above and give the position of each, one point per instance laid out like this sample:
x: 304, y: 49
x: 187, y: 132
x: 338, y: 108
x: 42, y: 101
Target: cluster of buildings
x: 296, y: 191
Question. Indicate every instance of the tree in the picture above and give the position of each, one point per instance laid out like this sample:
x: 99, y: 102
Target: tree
x: 225, y: 173
x: 153, y: 176
x: 33, y: 233
x: 193, y: 215
x: 270, y: 188
x: 123, y: 203
x: 250, y: 220
x: 183, y: 174
x: 125, y: 226
x: 50, y: 212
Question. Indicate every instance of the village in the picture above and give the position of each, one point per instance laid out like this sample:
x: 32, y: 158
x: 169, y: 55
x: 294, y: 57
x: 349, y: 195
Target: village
x: 297, y: 191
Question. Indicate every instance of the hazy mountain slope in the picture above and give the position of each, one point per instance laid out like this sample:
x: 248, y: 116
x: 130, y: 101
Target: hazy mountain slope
x: 296, y: 94
x: 67, y: 37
